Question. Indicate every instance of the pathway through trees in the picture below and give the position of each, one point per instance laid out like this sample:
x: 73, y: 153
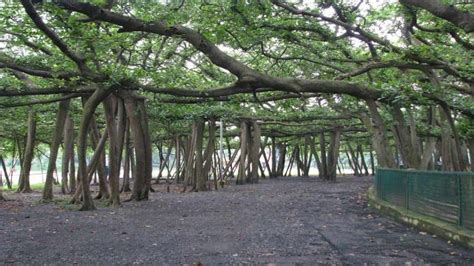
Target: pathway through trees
x: 284, y: 220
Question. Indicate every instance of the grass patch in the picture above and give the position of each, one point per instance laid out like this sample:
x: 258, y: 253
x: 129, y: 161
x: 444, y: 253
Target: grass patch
x: 37, y: 186
x: 65, y: 204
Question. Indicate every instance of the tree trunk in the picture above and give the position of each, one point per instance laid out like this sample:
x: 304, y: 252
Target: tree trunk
x: 254, y: 151
x: 471, y: 152
x: 88, y: 112
x: 199, y: 175
x: 67, y: 154
x: 316, y: 157
x: 324, y: 164
x: 273, y: 158
x: 101, y: 165
x: 333, y: 153
x: 4, y: 167
x: 210, y: 147
x: 92, y: 167
x: 409, y: 153
x: 72, y: 171
x: 372, y: 163
x: 281, y: 159
x: 126, y: 161
x: 114, y: 153
x: 136, y: 113
x: 362, y: 159
x: 24, y: 185
x: 460, y: 165
x: 244, y: 135
x: 178, y: 159
x: 53, y: 152
x: 379, y: 136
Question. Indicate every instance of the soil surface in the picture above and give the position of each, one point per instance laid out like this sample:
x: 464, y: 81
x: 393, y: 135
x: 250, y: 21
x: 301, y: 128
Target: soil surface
x: 289, y: 220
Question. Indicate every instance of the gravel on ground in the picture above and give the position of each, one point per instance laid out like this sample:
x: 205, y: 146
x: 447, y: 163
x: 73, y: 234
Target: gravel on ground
x: 290, y: 220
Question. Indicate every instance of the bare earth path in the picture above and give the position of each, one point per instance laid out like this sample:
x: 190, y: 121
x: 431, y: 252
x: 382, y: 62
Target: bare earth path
x: 283, y: 221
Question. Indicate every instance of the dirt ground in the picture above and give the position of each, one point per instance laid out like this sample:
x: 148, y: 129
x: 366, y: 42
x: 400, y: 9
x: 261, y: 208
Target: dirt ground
x: 282, y: 221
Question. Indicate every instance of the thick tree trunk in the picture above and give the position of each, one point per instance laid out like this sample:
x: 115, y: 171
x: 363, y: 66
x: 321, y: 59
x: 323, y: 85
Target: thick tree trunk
x: 254, y: 151
x: 126, y: 161
x: 199, y: 175
x: 457, y: 150
x: 88, y: 112
x: 322, y: 143
x: 409, y: 153
x: 244, y: 135
x: 114, y: 153
x: 147, y: 143
x: 281, y: 159
x: 24, y: 185
x: 189, y: 169
x: 379, y: 136
x: 53, y: 152
x: 136, y: 113
x: 210, y: 147
x: 67, y: 155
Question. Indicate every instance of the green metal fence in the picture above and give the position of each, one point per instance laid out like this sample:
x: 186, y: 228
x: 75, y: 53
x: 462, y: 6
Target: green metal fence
x: 448, y: 196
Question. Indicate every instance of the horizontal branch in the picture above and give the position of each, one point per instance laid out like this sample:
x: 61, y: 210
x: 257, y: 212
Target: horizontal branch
x: 460, y: 18
x: 41, y: 101
x: 47, y: 91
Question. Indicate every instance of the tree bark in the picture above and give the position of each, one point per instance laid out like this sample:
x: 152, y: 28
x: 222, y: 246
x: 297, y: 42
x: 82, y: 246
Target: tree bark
x: 324, y: 164
x: 126, y: 161
x: 199, y: 175
x: 379, y: 136
x: 53, y: 152
x: 4, y: 167
x: 210, y: 147
x: 135, y: 110
x: 254, y: 151
x: 101, y: 165
x: 67, y: 155
x: 87, y: 114
x: 333, y: 153
x: 24, y: 186
x: 114, y: 153
x: 244, y: 135
x: 462, y: 19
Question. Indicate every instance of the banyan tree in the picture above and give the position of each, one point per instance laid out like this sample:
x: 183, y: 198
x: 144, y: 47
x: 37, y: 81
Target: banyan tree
x: 215, y: 90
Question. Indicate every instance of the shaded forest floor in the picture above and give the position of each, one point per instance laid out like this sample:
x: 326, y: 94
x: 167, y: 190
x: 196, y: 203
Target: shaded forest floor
x: 283, y: 221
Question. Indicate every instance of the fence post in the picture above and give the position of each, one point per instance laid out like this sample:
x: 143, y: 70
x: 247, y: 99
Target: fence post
x: 460, y: 213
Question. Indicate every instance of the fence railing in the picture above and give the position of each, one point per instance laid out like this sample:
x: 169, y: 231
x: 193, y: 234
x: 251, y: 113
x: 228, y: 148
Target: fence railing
x: 447, y: 196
